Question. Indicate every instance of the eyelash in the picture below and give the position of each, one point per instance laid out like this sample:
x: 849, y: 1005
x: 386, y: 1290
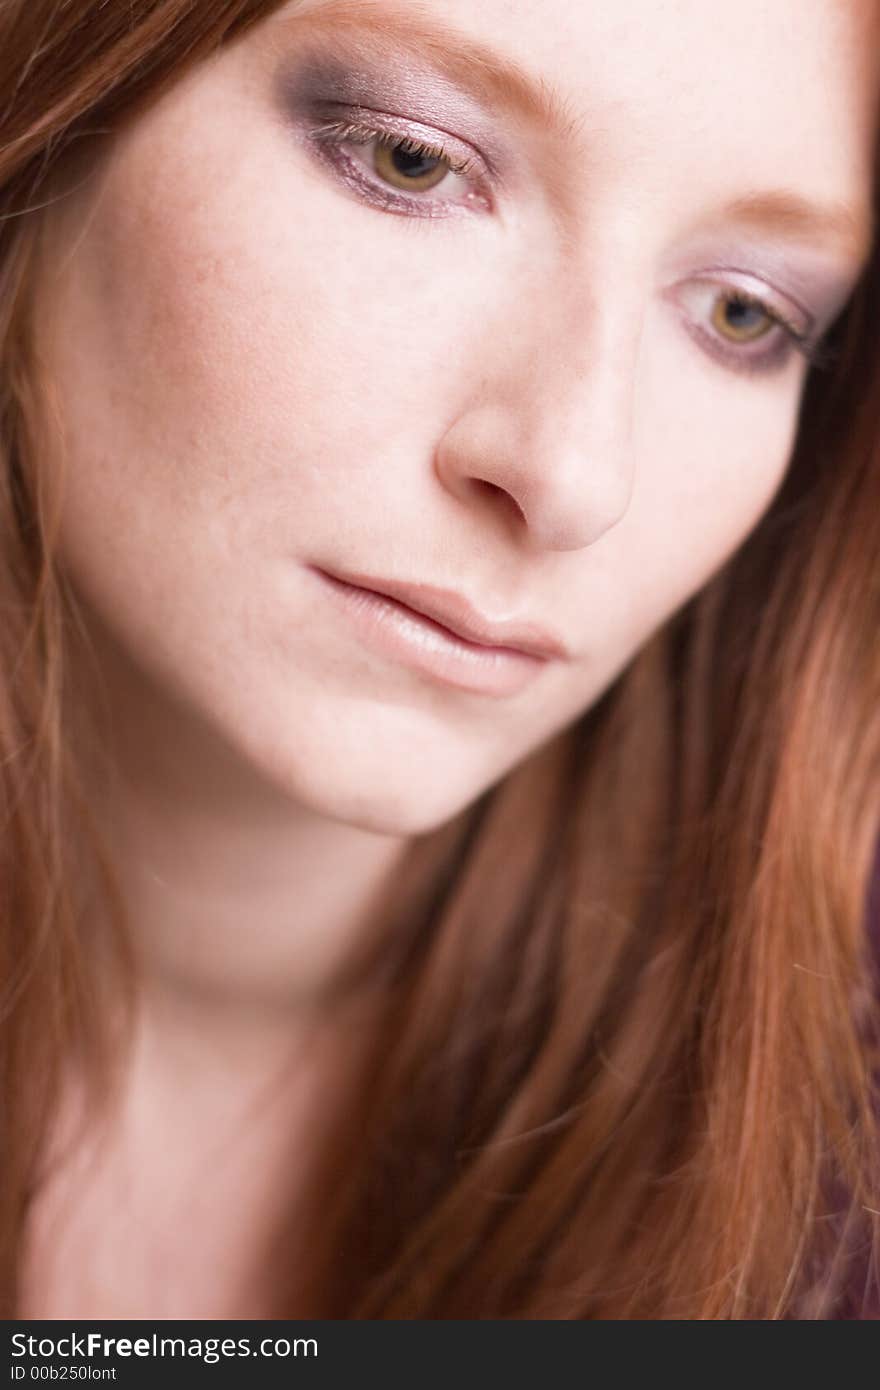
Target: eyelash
x: 332, y: 134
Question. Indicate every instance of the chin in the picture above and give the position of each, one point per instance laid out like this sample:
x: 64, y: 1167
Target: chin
x: 386, y: 769
x: 399, y: 813
x: 383, y: 794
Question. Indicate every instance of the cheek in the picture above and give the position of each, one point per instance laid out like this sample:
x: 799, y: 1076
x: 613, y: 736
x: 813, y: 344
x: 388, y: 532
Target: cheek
x: 710, y: 454
x: 235, y: 366
x: 699, y: 492
x: 712, y: 450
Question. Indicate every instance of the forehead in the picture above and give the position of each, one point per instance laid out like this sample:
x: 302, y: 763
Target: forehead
x: 688, y: 100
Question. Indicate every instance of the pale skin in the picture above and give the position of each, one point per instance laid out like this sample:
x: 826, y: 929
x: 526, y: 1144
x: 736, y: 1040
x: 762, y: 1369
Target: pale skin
x: 524, y: 396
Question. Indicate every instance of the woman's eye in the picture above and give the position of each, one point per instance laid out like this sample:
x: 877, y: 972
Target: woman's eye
x: 745, y: 331
x: 414, y: 170
x: 740, y: 319
x: 396, y: 169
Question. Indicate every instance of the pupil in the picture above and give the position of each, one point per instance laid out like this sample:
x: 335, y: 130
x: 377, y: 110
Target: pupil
x: 409, y: 163
x: 738, y: 312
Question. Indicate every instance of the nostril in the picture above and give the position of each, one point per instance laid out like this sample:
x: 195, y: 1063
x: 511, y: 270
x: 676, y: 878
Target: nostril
x: 508, y: 497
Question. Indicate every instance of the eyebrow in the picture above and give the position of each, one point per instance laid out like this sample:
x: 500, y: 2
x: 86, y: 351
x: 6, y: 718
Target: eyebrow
x: 466, y: 60
x: 782, y: 210
x: 480, y: 70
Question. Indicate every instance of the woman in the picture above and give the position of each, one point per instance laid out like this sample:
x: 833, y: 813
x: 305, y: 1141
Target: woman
x: 440, y: 733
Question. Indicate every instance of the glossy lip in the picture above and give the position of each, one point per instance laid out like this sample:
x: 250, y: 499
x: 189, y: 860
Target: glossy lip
x: 457, y: 614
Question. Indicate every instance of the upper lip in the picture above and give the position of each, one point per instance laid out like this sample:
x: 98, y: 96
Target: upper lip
x: 455, y: 612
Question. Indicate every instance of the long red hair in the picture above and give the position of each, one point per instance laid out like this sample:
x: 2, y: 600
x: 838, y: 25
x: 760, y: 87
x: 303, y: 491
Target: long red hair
x: 622, y: 1056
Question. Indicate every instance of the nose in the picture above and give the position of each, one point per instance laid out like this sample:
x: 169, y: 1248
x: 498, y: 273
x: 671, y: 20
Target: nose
x: 545, y: 440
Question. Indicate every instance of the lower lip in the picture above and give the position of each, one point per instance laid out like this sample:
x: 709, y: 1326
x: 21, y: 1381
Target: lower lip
x: 398, y: 632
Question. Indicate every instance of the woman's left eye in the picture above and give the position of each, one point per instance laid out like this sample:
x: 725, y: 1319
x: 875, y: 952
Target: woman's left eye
x: 395, y: 169
x: 745, y: 329
x: 739, y: 319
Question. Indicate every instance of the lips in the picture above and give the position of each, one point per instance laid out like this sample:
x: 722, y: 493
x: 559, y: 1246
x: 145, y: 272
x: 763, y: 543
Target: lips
x: 458, y: 616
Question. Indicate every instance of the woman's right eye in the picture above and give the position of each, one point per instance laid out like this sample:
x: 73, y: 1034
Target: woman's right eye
x: 398, y: 167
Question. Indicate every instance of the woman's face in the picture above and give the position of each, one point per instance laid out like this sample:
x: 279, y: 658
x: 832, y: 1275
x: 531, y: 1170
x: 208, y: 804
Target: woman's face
x: 284, y: 349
